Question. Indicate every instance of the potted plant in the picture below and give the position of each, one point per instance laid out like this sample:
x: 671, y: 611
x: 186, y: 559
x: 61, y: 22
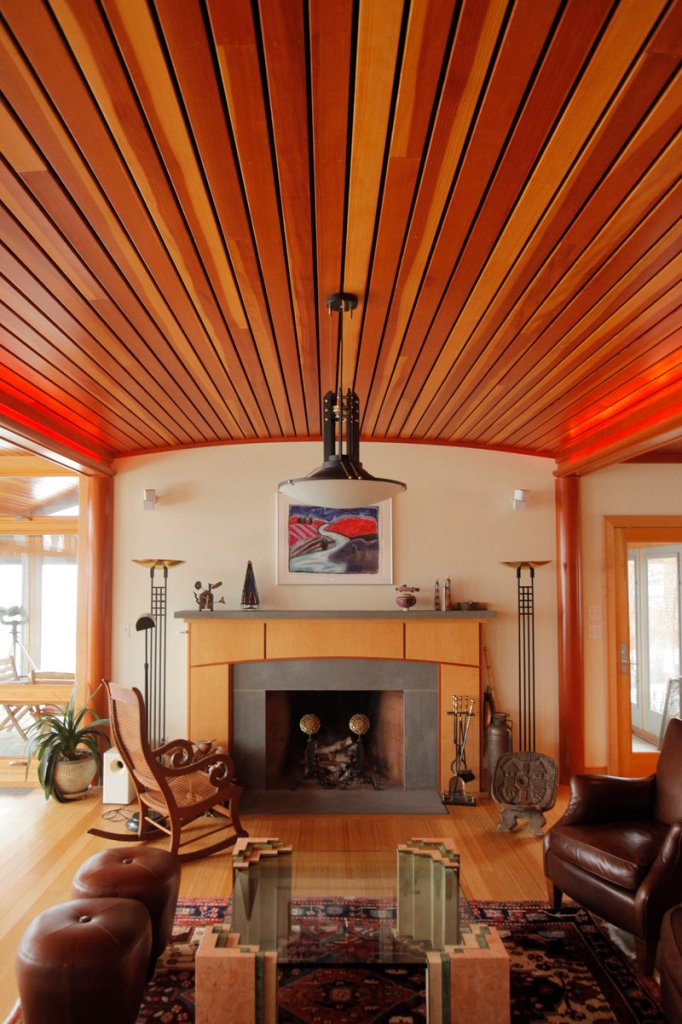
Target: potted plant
x: 65, y: 743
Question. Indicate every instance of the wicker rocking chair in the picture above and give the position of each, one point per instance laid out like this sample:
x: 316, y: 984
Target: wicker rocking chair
x: 174, y: 786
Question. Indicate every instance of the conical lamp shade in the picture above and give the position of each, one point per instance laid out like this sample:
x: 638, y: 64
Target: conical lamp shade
x: 340, y: 482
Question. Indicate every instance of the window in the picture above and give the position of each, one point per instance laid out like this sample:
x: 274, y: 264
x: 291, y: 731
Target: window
x: 655, y: 632
x: 38, y: 599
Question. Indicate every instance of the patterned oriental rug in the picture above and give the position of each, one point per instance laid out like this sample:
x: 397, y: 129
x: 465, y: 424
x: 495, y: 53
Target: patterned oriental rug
x: 565, y: 969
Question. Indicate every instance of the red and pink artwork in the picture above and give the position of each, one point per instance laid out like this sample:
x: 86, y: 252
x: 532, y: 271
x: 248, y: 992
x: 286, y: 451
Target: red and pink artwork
x: 342, y: 541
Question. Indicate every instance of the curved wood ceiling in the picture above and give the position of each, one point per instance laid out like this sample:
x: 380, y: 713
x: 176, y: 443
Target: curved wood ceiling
x: 183, y: 184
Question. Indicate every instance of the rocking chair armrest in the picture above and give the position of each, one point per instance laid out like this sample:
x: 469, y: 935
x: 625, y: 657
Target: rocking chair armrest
x: 220, y: 767
x: 178, y: 750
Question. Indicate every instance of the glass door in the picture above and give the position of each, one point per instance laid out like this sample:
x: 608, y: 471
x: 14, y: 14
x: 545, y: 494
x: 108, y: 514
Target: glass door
x: 655, y: 620
x: 634, y: 620
x: 38, y: 601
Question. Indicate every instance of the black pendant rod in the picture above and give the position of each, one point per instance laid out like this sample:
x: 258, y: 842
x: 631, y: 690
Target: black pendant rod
x: 340, y: 302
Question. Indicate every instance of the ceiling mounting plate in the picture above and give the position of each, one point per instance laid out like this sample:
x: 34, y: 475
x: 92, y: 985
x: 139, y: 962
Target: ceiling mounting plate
x: 341, y: 302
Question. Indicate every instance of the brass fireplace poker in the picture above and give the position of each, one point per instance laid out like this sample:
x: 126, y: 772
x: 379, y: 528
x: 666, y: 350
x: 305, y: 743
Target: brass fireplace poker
x: 462, y: 713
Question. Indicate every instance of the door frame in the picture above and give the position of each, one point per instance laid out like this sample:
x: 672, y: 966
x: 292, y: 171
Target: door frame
x: 94, y: 525
x: 619, y: 532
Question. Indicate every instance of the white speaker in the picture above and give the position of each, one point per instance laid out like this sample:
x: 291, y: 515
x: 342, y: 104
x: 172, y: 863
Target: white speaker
x: 117, y: 787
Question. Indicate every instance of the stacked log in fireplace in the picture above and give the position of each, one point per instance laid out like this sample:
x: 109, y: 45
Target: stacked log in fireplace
x: 339, y: 764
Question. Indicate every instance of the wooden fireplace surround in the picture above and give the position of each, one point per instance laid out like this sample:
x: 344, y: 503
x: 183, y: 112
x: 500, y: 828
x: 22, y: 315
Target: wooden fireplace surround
x: 218, y: 640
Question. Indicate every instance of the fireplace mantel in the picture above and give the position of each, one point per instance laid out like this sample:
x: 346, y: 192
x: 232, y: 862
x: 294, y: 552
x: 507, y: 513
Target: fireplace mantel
x: 298, y: 613
x: 220, y: 639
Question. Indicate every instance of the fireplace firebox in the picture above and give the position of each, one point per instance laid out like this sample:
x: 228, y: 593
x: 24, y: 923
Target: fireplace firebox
x: 334, y: 743
x: 399, y: 698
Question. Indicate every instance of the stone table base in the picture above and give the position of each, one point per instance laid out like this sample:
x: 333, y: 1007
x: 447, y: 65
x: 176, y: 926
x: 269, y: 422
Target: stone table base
x: 233, y: 981
x: 470, y: 981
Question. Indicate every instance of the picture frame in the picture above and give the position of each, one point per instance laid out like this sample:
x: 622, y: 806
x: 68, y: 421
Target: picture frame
x: 671, y: 708
x: 311, y: 549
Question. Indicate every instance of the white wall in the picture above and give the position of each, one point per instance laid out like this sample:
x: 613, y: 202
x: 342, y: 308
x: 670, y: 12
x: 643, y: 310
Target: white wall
x: 636, y: 489
x: 217, y: 509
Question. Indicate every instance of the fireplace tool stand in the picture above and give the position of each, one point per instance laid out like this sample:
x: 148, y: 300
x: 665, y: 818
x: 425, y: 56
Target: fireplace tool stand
x: 462, y: 713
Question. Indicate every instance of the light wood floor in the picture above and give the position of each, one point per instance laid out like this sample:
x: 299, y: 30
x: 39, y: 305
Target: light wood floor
x: 42, y: 844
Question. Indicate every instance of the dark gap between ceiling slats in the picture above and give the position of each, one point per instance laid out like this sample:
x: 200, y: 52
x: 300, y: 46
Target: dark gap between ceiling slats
x: 575, y: 219
x: 275, y: 174
x: 437, y: 96
x: 113, y: 210
x: 209, y: 195
x: 446, y: 207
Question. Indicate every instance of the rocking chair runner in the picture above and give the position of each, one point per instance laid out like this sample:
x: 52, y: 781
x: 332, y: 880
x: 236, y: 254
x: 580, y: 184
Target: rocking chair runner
x: 173, y: 782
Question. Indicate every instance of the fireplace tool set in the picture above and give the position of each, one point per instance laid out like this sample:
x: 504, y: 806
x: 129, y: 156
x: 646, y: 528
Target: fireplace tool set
x: 462, y: 713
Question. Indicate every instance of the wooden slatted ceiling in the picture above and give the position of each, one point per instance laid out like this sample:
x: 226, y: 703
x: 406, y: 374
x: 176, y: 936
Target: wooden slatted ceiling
x: 26, y: 497
x: 31, y: 487
x: 183, y: 184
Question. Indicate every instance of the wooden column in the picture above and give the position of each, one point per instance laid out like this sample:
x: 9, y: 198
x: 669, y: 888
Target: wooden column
x: 95, y: 562
x: 570, y: 631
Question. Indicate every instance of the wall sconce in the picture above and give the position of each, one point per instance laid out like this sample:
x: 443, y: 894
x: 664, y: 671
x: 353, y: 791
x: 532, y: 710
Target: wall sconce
x: 149, y: 499
x: 520, y: 499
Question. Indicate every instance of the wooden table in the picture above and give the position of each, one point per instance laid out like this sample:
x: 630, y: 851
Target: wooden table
x: 21, y: 699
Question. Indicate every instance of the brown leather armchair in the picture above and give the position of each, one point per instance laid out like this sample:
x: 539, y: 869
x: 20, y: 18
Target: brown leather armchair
x: 670, y: 965
x: 617, y: 849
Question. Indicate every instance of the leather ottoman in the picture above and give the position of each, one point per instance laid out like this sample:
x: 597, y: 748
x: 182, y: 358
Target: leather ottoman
x: 670, y: 964
x: 84, y: 960
x: 136, y: 873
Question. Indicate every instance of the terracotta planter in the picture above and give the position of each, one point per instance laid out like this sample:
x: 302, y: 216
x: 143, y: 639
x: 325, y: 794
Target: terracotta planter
x: 73, y: 778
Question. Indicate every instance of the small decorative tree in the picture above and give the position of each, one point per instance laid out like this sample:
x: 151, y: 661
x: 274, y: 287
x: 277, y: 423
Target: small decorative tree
x: 250, y: 591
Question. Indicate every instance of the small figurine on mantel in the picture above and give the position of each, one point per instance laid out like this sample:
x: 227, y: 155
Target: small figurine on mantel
x: 205, y: 598
x: 250, y: 592
x: 406, y: 598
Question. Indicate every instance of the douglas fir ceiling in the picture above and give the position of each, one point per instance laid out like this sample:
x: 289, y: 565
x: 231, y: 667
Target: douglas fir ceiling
x: 183, y: 182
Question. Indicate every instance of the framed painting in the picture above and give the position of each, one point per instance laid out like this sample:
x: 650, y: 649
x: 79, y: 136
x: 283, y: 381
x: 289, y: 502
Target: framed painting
x: 333, y: 545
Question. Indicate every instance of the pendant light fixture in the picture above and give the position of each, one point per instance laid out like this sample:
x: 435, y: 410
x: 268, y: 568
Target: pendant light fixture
x: 341, y: 481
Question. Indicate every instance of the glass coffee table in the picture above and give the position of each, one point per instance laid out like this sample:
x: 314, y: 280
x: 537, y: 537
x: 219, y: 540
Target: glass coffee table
x: 346, y: 910
x: 373, y: 906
